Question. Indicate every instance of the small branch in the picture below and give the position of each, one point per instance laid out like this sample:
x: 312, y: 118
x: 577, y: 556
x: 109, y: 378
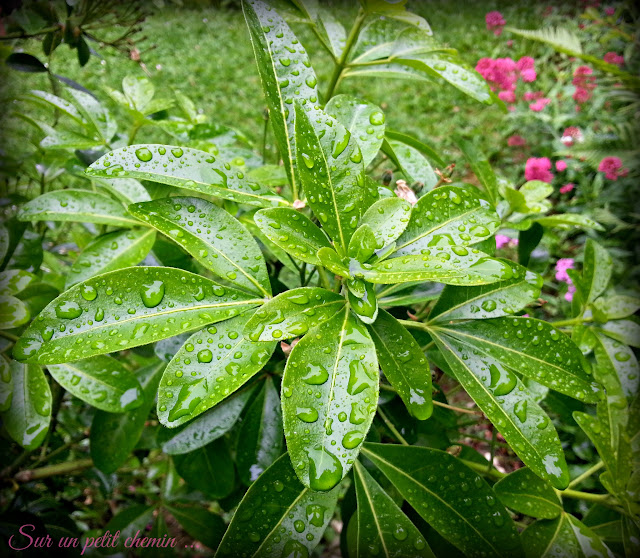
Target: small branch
x: 586, y: 474
x: 9, y: 336
x: 391, y: 427
x: 458, y: 409
x: 571, y: 322
x: 66, y: 468
x: 587, y: 496
x: 482, y: 469
x: 410, y: 324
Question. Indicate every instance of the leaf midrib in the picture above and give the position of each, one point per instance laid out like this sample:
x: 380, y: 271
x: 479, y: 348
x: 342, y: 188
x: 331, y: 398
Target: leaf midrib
x: 96, y: 379
x: 363, y: 480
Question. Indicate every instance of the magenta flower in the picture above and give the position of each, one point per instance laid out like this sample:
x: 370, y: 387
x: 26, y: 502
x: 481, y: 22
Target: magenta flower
x: 612, y: 168
x: 568, y: 296
x: 538, y: 169
x: 571, y: 135
x: 561, y: 166
x: 567, y: 188
x: 495, y: 22
x: 584, y: 82
x: 614, y: 58
x: 610, y: 10
x: 516, y: 141
x: 501, y: 241
x: 539, y: 104
x: 561, y: 269
x: 507, y: 96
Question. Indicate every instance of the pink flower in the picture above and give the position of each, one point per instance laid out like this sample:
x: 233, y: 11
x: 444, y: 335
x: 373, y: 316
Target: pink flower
x: 516, y: 141
x: 539, y: 104
x: 612, y: 167
x: 614, y: 58
x: 510, y: 43
x: 503, y: 240
x: 507, y: 96
x: 528, y: 75
x: 538, y: 169
x: 495, y: 22
x: 570, y: 291
x: 571, y: 135
x: 610, y: 11
x: 561, y: 166
x: 561, y: 269
x: 526, y: 67
x: 584, y: 83
x: 567, y: 188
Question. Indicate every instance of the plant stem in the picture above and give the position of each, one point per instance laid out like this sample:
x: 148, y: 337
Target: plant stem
x: 586, y: 474
x: 570, y: 322
x: 324, y: 279
x: 492, y: 451
x: 393, y: 429
x: 66, y: 468
x: 414, y: 325
x: 587, y: 496
x: 9, y: 336
x: 457, y: 409
x: 341, y: 62
x: 134, y: 130
x: 482, y: 469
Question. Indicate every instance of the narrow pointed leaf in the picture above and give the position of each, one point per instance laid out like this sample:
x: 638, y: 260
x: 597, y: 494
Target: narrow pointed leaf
x: 363, y: 120
x: 28, y: 417
x: 280, y: 515
x: 416, y: 143
x: 114, y: 435
x: 403, y: 364
x: 209, y: 469
x: 213, y: 363
x: 81, y: 206
x: 13, y: 312
x: 110, y: 252
x: 363, y: 244
x: 44, y: 98
x: 126, y: 308
x: 383, y: 529
x: 624, y: 331
x: 201, y: 524
x: 293, y: 313
x: 508, y: 405
x: 365, y: 306
x: 597, y: 269
x: 615, y: 307
x: 502, y: 298
x: 212, y: 236
x: 100, y: 381
x: 127, y: 190
x: 221, y: 175
x: 6, y: 385
x: 332, y: 173
x: 94, y: 113
x: 413, y: 165
x: 525, y: 492
x: 448, y: 215
x: 452, y: 498
x: 533, y: 348
x: 569, y: 220
x: 336, y: 361
x: 292, y: 231
x: 207, y: 427
x: 330, y: 259
x: 481, y: 168
x: 617, y: 369
x: 261, y: 436
x: 286, y: 74
x: 452, y: 265
x: 388, y: 218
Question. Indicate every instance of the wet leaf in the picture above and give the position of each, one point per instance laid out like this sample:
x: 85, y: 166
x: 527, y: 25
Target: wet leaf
x: 452, y: 498
x: 596, y: 271
x: 568, y: 220
x: 363, y: 244
x: 201, y: 524
x: 278, y: 516
x: 525, y: 492
x: 330, y: 392
x: 421, y: 146
x: 615, y: 307
x: 458, y: 215
x: 329, y: 258
x: 212, y: 236
x: 13, y: 312
x: 100, y: 120
x: 209, y: 469
x: 481, y: 168
x: 293, y: 313
x: 127, y: 190
x: 128, y: 522
x: 6, y: 385
x: 403, y: 364
x: 617, y: 370
x: 366, y: 305
x: 126, y: 308
x: 14, y: 281
x: 213, y: 363
x: 388, y: 218
x: 414, y: 166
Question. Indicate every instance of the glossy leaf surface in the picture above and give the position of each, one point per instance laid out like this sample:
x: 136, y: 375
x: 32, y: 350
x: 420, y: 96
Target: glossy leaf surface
x: 462, y: 508
x: 209, y: 469
x: 212, y: 236
x: 403, y: 364
x: 13, y: 312
x: 280, y: 515
x: 597, y: 269
x: 330, y: 392
x: 126, y: 308
x: 329, y: 258
x: 617, y: 369
x: 293, y: 313
x: 362, y: 244
x: 100, y: 381
x: 414, y: 166
x: 13, y: 281
x: 6, y: 384
x: 525, y: 492
x: 201, y: 524
x: 213, y: 363
x: 388, y: 218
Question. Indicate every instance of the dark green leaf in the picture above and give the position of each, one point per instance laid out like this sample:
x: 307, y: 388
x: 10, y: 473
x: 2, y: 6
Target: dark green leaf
x: 363, y: 244
x: 413, y: 165
x: 213, y: 363
x: 126, y: 308
x: 453, y: 499
x: 24, y: 62
x: 128, y: 522
x: 212, y: 236
x: 615, y: 307
x: 278, y: 516
x: 46, y: 99
x: 596, y: 271
x: 366, y: 305
x: 6, y: 385
x: 201, y: 524
x: 568, y: 220
x: 388, y: 218
x: 293, y: 313
x: 330, y: 388
x: 403, y: 364
x: 209, y: 469
x: 528, y: 241
x: 127, y: 190
x: 417, y: 144
x: 98, y: 117
x: 83, y: 51
x: 617, y: 370
x: 525, y: 492
x: 624, y: 331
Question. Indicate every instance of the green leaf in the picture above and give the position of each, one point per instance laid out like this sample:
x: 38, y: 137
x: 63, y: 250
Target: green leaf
x: 83, y: 51
x: 337, y: 362
x: 292, y: 518
x: 525, y: 492
x: 127, y: 190
x: 502, y: 298
x: 615, y: 307
x: 221, y: 174
x: 207, y: 427
x: 413, y: 165
x: 452, y: 265
x: 28, y: 417
x: 363, y: 120
x: 13, y: 312
x: 286, y: 74
x: 481, y: 168
x: 81, y: 206
x: 212, y: 236
x: 23, y: 62
x: 528, y: 241
x: 100, y: 381
x: 43, y: 98
x: 381, y: 524
x: 138, y: 91
x: 213, y: 363
x: 617, y: 370
x: 14, y: 281
x: 624, y: 331
x: 330, y: 31
x: 6, y: 385
x: 126, y: 308
x: 209, y: 469
x: 513, y: 410
x: 387, y: 71
x: 567, y: 220
x: 448, y: 215
x: 365, y: 306
x: 260, y: 437
x: 201, y: 524
x: 332, y: 173
x: 293, y: 313
x: 387, y: 218
x: 110, y: 252
x: 363, y: 244
x: 533, y: 348
x: 453, y: 499
x: 113, y: 436
x: 329, y: 258
x: 407, y: 294
x: 417, y: 144
x: 403, y: 364
x: 292, y: 231
x: 98, y: 117
x: 128, y: 522
x: 535, y: 191
x: 596, y: 271
x: 564, y: 536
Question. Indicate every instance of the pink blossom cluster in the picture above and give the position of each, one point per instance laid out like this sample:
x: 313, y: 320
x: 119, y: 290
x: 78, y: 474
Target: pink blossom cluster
x: 538, y: 168
x: 612, y: 168
x: 516, y: 141
x: 567, y: 188
x: 503, y: 240
x: 503, y: 74
x: 610, y: 10
x: 495, y: 22
x: 562, y: 265
x: 614, y: 58
x: 584, y: 82
x: 571, y: 135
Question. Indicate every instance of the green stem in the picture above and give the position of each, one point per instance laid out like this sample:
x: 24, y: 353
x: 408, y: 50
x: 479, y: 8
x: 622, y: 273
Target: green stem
x: 341, y: 62
x: 410, y: 324
x: 482, y: 469
x: 586, y: 474
x: 324, y: 278
x: 134, y: 130
x: 571, y: 322
x: 9, y: 336
x: 587, y: 496
x: 393, y: 429
x: 66, y: 468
